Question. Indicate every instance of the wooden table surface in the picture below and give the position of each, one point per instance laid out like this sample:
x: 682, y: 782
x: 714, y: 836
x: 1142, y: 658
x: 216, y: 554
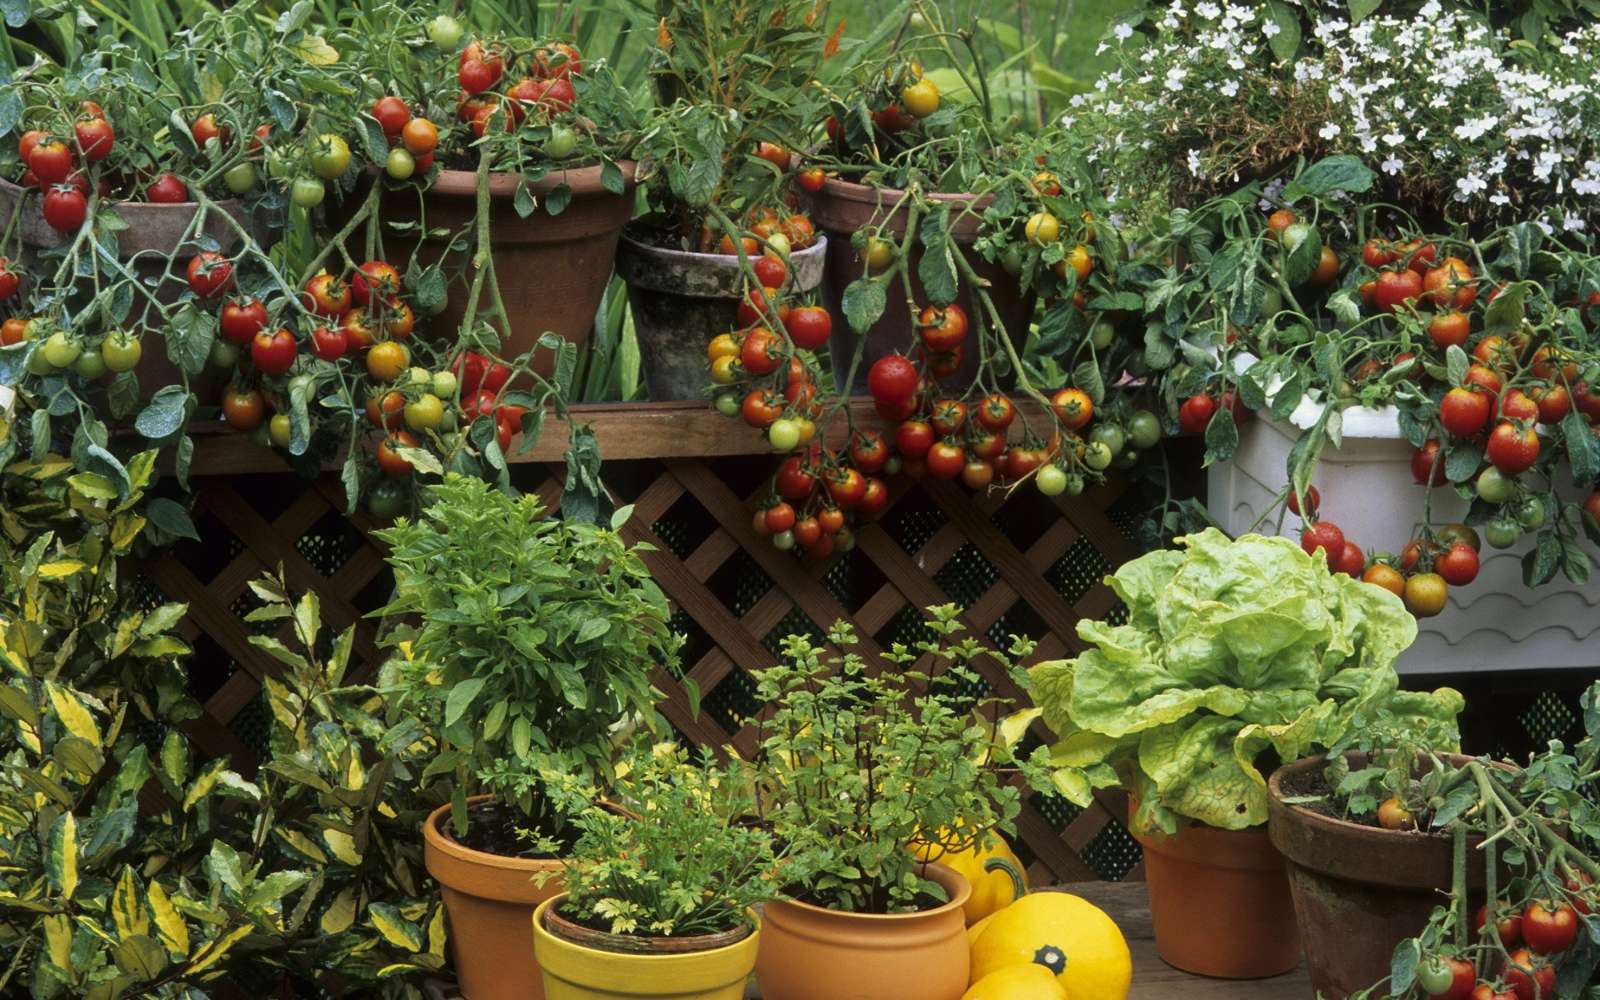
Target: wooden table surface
x: 1153, y: 979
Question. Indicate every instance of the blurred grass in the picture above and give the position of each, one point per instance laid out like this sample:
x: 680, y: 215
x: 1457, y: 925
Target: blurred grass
x: 1082, y: 22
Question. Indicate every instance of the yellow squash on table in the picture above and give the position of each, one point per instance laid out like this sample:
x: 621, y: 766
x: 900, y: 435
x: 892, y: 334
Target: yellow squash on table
x: 1069, y: 936
x: 1017, y: 982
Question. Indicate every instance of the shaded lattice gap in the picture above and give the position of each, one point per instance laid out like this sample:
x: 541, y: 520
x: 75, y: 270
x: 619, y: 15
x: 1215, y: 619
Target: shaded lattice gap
x: 208, y: 668
x: 913, y: 521
x: 1055, y: 809
x: 684, y: 526
x: 253, y: 724
x: 1548, y: 718
x: 796, y: 622
x: 1126, y: 513
x: 1025, y: 516
x: 740, y: 582
x: 143, y: 594
x: 731, y: 702
x: 906, y: 627
x: 1077, y: 572
x: 967, y: 576
x: 208, y: 558
x: 1112, y: 853
x: 330, y: 543
x: 696, y: 643
x: 1020, y: 619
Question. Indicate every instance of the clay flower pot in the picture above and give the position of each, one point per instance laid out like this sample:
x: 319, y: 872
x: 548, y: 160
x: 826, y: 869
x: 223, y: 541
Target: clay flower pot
x: 489, y: 900
x: 1358, y: 890
x: 843, y: 208
x: 1220, y: 903
x: 580, y: 963
x: 680, y: 300
x: 552, y: 269
x: 808, y: 952
x: 154, y: 233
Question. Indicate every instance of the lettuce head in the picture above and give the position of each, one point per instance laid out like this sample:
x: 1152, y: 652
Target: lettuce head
x: 1230, y: 648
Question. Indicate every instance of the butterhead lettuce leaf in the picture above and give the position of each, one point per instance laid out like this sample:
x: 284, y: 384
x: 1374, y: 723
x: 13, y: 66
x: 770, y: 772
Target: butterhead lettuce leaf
x: 1231, y: 648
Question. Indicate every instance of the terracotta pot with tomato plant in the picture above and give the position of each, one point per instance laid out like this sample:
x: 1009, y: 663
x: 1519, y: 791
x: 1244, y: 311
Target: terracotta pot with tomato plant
x: 532, y: 162
x: 1235, y: 654
x: 858, y: 769
x: 517, y: 727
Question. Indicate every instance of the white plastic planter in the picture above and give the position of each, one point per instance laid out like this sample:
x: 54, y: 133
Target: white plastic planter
x: 1496, y: 623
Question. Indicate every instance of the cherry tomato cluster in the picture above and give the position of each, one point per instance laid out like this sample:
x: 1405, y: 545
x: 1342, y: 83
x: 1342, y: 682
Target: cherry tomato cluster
x: 768, y: 231
x: 1532, y: 939
x: 412, y: 138
x: 544, y: 88
x: 906, y: 97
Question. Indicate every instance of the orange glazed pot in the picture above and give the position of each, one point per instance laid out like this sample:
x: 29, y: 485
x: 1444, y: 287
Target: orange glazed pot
x: 552, y: 269
x: 809, y: 953
x: 489, y: 900
x: 1220, y: 903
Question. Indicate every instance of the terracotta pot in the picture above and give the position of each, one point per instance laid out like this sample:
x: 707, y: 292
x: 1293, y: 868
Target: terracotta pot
x: 154, y: 233
x: 808, y: 953
x: 489, y: 900
x: 680, y: 300
x: 1358, y: 890
x: 580, y: 963
x: 552, y: 269
x: 1220, y: 903
x: 841, y: 209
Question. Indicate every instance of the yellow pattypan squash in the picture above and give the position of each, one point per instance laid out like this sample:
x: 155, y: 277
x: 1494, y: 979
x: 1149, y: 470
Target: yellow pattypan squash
x: 994, y: 871
x: 1070, y: 936
x: 1017, y: 982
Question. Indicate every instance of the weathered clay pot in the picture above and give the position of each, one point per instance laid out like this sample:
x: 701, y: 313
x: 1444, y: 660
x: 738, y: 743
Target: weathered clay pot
x: 808, y: 952
x: 681, y: 300
x: 154, y: 233
x: 841, y: 209
x: 1358, y: 890
x: 489, y: 900
x: 552, y: 269
x: 1220, y: 903
x: 580, y: 963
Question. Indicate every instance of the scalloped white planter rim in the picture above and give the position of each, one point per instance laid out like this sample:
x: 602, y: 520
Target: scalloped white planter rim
x: 1496, y: 623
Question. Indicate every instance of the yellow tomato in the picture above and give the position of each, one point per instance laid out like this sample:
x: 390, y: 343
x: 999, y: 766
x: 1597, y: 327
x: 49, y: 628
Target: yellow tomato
x: 722, y: 369
x: 1043, y: 228
x: 386, y: 361
x: 880, y: 254
x: 723, y: 345
x: 278, y: 430
x: 921, y: 98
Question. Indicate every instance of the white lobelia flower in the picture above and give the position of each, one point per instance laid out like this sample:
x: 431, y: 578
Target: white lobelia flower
x: 1393, y: 164
x: 1230, y: 88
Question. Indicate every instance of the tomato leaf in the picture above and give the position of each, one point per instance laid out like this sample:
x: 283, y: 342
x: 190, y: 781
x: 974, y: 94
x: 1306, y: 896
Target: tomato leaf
x: 1222, y: 436
x: 1456, y: 364
x: 1302, y: 248
x: 1506, y: 311
x: 1583, y: 448
x: 1461, y: 462
x: 167, y: 515
x: 1330, y: 174
x: 611, y: 178
x: 1360, y: 10
x: 1286, y: 42
x: 1575, y: 562
x: 558, y: 199
x: 1539, y: 565
x: 163, y: 416
x: 1403, y: 966
x: 864, y: 302
x: 937, y: 268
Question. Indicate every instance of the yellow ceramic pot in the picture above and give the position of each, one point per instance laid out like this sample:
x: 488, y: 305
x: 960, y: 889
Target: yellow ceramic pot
x: 574, y: 971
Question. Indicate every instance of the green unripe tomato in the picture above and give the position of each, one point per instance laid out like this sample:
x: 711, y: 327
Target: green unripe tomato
x: 445, y: 32
x: 121, y: 351
x: 1126, y: 459
x: 400, y: 164
x: 783, y: 541
x: 90, y: 365
x: 1051, y: 480
x: 387, y: 500
x: 1101, y: 334
x: 784, y: 434
x: 1495, y: 486
x: 1097, y: 456
x: 1011, y: 261
x: 1531, y: 513
x: 278, y: 430
x: 561, y: 143
x: 39, y: 362
x: 444, y: 384
x: 330, y: 156
x: 1434, y: 975
x: 1109, y: 435
x: 223, y: 355
x: 1144, y: 430
x: 307, y: 192
x: 727, y: 404
x: 240, y: 178
x: 61, y: 350
x: 1074, y: 484
x: 1502, y: 532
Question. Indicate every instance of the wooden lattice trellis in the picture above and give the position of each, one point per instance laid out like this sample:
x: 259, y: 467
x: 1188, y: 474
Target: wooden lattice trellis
x: 1021, y: 564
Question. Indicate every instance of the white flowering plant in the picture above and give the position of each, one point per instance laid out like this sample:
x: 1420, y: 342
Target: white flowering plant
x: 1459, y: 121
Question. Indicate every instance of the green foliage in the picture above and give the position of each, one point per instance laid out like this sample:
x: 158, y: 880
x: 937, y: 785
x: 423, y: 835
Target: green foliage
x: 1232, y: 648
x: 137, y: 867
x: 853, y: 763
x: 687, y: 863
x: 535, y: 637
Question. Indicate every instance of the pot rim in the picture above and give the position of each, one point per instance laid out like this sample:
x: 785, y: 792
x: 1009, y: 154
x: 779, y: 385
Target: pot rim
x: 717, y: 260
x: 958, y: 899
x: 838, y: 187
x: 558, y: 926
x: 230, y: 205
x: 503, y: 184
x: 1334, y: 824
x: 437, y: 839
